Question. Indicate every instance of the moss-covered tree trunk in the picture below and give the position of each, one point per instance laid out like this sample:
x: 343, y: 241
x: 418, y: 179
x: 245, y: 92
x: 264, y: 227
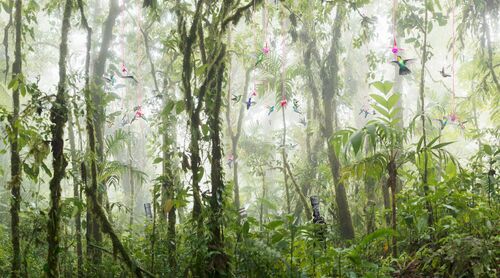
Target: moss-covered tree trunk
x: 76, y: 192
x: 93, y: 230
x: 392, y: 183
x: 15, y: 159
x: 5, y: 42
x: 58, y: 117
x: 330, y: 87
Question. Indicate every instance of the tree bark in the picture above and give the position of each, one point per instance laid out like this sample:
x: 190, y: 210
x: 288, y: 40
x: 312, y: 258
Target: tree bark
x: 391, y: 183
x: 15, y: 159
x: 422, y: 117
x: 76, y: 192
x: 330, y: 87
x: 58, y: 117
x: 6, y: 39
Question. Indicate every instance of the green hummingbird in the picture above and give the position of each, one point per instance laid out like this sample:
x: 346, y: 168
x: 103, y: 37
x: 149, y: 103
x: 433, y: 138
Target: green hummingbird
x: 236, y: 98
x: 403, y: 68
x: 260, y: 58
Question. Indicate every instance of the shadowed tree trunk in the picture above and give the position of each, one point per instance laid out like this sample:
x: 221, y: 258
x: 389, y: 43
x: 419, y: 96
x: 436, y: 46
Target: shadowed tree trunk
x: 76, y: 192
x: 58, y: 117
x: 391, y: 183
x: 330, y: 88
x: 15, y: 159
x: 93, y: 229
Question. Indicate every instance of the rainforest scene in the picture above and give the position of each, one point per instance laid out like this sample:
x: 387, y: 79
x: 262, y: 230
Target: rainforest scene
x: 249, y: 138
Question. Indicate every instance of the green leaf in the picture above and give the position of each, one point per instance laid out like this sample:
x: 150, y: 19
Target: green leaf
x: 487, y: 149
x: 179, y: 106
x: 245, y: 229
x: 274, y: 224
x: 384, y: 87
x: 441, y: 145
x: 393, y: 100
x: 382, y: 111
x: 158, y: 160
x: 380, y: 100
x: 357, y: 141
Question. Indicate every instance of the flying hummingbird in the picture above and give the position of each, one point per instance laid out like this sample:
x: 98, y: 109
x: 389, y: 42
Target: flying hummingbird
x: 403, y: 68
x: 443, y: 73
x: 236, y: 98
x: 249, y: 103
x: 270, y: 110
x: 260, y: 58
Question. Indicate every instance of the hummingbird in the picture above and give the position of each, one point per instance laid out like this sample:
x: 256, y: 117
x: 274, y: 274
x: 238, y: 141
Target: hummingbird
x: 128, y: 76
x: 249, y: 103
x: 230, y: 160
x: 444, y: 74
x: 443, y: 122
x: 111, y: 79
x: 303, y: 121
x: 236, y: 98
x: 270, y: 110
x: 260, y: 58
x: 296, y: 106
x: 403, y: 68
x: 138, y: 113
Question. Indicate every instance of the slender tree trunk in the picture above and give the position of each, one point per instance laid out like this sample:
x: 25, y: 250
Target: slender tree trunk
x: 330, y: 87
x: 6, y: 40
x: 76, y: 192
x: 387, y: 202
x: 422, y: 117
x: 15, y: 159
x: 391, y: 183
x: 370, y: 183
x: 489, y: 50
x: 58, y: 117
x: 261, y: 211
x: 132, y: 191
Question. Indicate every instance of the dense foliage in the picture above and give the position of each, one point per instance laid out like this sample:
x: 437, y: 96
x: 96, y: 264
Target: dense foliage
x: 258, y: 138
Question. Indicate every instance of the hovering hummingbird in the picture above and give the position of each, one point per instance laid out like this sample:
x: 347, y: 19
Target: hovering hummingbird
x: 443, y: 73
x: 270, y: 110
x: 111, y: 79
x: 249, y: 103
x: 128, y: 76
x: 296, y: 106
x: 364, y: 110
x: 138, y: 113
x: 442, y: 122
x: 124, y: 69
x: 403, y: 68
x: 236, y: 98
x: 260, y: 58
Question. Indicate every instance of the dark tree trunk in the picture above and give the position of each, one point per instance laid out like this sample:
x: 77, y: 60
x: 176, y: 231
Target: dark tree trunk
x: 219, y: 261
x: 76, y: 192
x: 330, y: 88
x: 387, y: 202
x: 15, y: 159
x: 98, y: 117
x: 370, y: 183
x: 58, y: 117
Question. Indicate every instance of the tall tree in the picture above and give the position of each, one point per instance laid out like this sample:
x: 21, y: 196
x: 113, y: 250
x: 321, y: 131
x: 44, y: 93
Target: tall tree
x: 330, y: 88
x: 93, y: 230
x: 15, y: 159
x: 58, y: 117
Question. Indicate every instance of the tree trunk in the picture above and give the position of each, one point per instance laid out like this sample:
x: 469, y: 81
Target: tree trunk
x: 261, y: 211
x: 391, y: 183
x: 15, y: 159
x: 6, y: 40
x: 58, y: 117
x: 329, y: 89
x: 76, y: 192
x: 387, y: 202
x: 219, y: 261
x: 98, y: 118
x: 370, y: 184
x: 422, y: 117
